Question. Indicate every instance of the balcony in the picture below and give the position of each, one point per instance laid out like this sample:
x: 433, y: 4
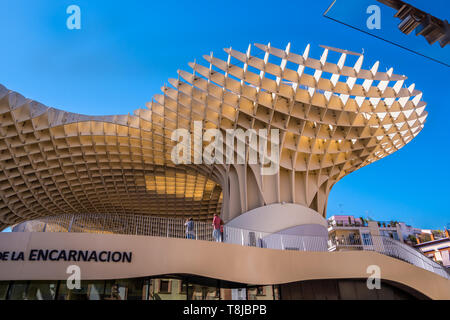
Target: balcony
x: 336, y: 243
x: 342, y: 224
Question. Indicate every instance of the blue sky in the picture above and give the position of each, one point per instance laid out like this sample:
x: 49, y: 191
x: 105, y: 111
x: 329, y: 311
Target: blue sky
x: 126, y: 50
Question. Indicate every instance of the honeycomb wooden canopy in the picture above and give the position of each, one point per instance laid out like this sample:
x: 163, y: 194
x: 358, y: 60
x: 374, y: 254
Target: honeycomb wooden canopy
x: 333, y: 118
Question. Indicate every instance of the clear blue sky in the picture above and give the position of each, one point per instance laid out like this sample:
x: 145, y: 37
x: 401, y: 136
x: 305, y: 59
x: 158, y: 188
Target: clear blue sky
x: 126, y: 50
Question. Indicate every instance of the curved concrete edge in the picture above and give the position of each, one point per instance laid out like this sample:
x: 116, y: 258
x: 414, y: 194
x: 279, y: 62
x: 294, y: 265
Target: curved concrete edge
x: 154, y: 256
x: 277, y: 217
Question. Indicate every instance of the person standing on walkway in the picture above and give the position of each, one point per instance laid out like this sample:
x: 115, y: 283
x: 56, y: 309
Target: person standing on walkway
x: 216, y: 225
x: 189, y: 224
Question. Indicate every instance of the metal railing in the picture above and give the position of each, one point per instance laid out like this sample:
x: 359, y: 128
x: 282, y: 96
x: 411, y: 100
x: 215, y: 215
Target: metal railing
x: 274, y: 241
x: 117, y: 224
x: 344, y: 242
x: 171, y: 228
x: 399, y: 250
x: 390, y: 247
x: 175, y: 228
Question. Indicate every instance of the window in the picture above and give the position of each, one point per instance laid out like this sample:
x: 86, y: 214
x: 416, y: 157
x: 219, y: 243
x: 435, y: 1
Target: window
x: 260, y: 291
x: 113, y: 291
x: 131, y: 289
x: 18, y: 290
x: 164, y: 286
x: 201, y: 292
x: 89, y: 290
x: 95, y: 290
x: 41, y: 290
x: 367, y: 239
x: 146, y: 290
x: 29, y: 290
x: 167, y: 289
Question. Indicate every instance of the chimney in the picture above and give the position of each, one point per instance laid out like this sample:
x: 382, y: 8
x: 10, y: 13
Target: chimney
x: 432, y: 236
x: 447, y: 235
x: 417, y: 239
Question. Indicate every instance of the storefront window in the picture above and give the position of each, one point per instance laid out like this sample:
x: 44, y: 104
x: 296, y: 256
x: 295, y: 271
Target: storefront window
x: 29, y: 290
x: 112, y: 291
x: 167, y: 289
x: 226, y: 294
x: 146, y: 290
x: 260, y: 293
x: 237, y: 294
x: 95, y: 290
x: 164, y: 288
x: 18, y: 290
x: 3, y: 290
x: 89, y: 290
x: 42, y: 290
x: 131, y: 289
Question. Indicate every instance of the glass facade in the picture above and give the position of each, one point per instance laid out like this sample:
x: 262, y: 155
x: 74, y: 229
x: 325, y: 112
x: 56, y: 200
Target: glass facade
x: 157, y: 288
x: 346, y: 289
x: 167, y: 289
x: 198, y: 288
x: 90, y: 290
x: 132, y: 289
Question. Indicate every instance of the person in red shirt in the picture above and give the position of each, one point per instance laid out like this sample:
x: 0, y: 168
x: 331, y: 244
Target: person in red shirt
x: 216, y: 224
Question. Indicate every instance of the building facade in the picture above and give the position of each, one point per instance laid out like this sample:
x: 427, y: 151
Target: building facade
x: 437, y: 247
x: 112, y: 193
x: 346, y: 232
